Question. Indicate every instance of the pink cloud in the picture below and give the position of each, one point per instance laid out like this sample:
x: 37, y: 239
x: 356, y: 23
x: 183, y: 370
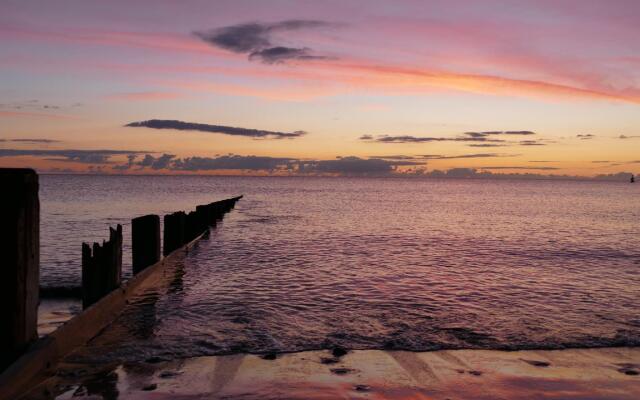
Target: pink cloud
x: 144, y: 96
x: 21, y: 114
x: 290, y: 92
x: 468, y: 56
x: 153, y: 41
x: 325, y: 78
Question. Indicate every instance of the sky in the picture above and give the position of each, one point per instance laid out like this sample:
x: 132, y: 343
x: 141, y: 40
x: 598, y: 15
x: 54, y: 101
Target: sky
x: 320, y: 87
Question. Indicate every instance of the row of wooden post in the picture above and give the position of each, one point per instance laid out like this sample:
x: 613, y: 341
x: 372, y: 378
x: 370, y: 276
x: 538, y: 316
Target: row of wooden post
x: 102, y: 267
x: 101, y: 264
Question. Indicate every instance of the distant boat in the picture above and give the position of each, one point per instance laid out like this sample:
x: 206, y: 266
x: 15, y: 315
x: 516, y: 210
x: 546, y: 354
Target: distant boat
x: 632, y: 179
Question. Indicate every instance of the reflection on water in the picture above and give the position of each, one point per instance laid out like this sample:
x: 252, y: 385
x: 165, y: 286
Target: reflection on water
x: 308, y: 263
x: 52, y: 313
x: 460, y: 375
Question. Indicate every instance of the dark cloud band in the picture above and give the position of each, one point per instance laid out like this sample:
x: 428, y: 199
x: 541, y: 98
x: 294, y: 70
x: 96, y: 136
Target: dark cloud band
x: 81, y: 156
x: 256, y: 40
x: 226, y: 130
x: 523, y: 167
x: 279, y: 54
x: 341, y: 165
x: 477, y: 155
x: 373, y: 166
x: 424, y: 139
x: 531, y: 143
x: 424, y: 157
x: 30, y: 140
x: 233, y: 162
x: 476, y: 139
x: 492, y: 133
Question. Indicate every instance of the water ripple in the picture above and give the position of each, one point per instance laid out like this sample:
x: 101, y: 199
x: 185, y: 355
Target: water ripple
x: 375, y: 263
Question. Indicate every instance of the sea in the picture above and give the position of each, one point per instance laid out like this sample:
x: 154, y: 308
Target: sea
x: 308, y: 263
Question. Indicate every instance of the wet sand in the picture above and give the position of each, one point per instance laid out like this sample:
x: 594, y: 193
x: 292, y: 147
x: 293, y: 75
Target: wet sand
x: 607, y: 373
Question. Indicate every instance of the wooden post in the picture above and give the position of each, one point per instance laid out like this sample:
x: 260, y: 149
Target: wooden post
x: 145, y: 241
x: 213, y: 214
x: 89, y: 277
x: 20, y: 266
x: 217, y: 210
x: 101, y: 267
x: 193, y: 226
x: 113, y: 249
x: 207, y: 213
x: 202, y: 214
x: 174, y: 231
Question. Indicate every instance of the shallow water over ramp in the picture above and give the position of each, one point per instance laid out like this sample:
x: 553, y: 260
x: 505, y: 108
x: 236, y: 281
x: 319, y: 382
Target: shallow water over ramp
x: 462, y: 374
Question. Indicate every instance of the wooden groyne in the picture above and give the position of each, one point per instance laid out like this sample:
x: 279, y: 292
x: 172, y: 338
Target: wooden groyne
x: 20, y: 249
x: 101, y: 267
x: 102, y: 264
x: 23, y: 357
x: 145, y: 242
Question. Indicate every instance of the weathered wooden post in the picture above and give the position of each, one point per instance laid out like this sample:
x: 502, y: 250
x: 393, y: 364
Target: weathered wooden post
x: 114, y: 251
x: 174, y: 231
x: 101, y: 267
x: 20, y: 266
x: 193, y: 226
x: 90, y: 279
x: 203, y: 218
x: 213, y: 214
x: 203, y: 211
x: 206, y: 212
x: 145, y: 241
x: 217, y: 210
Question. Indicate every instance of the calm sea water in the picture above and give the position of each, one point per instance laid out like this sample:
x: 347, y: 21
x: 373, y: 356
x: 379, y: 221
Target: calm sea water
x: 309, y: 263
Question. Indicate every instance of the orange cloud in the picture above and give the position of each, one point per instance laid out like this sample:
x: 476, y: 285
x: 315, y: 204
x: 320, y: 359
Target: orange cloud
x: 326, y: 78
x: 402, y: 78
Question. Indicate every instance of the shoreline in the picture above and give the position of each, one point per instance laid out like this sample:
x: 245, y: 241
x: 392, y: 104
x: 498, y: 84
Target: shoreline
x: 604, y: 373
x: 55, y: 311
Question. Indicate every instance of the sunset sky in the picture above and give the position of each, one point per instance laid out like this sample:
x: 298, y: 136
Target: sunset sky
x: 549, y: 87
